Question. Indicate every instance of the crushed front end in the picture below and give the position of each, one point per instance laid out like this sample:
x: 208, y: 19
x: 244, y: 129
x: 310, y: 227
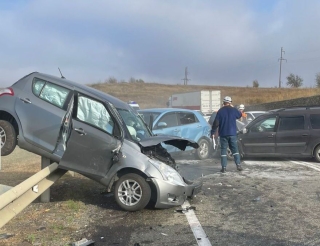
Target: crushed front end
x: 173, y: 189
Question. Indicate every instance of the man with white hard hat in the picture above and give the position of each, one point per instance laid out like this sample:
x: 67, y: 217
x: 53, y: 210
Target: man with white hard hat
x: 225, y: 122
x: 244, y: 115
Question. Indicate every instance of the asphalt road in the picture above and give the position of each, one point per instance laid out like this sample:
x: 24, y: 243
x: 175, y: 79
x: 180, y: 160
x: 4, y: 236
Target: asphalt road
x: 194, y: 169
x: 263, y: 205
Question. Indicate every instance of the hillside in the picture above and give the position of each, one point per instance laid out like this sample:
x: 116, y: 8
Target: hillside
x: 150, y: 95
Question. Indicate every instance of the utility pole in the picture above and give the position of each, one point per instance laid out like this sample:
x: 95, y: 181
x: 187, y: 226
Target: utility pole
x: 281, y: 59
x: 185, y: 79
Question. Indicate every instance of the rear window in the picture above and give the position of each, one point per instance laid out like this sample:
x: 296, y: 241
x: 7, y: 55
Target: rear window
x: 315, y: 121
x: 187, y: 118
x: 49, y: 92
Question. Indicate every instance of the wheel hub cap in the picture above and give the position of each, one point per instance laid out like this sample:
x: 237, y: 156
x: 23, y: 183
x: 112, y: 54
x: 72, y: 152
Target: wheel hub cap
x: 129, y: 192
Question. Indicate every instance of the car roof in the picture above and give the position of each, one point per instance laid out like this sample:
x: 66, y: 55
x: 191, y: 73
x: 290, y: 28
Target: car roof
x: 162, y: 110
x: 255, y: 112
x: 61, y: 81
x: 296, y: 110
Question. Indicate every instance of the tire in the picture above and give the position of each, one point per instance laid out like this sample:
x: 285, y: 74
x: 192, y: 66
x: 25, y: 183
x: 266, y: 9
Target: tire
x: 229, y: 155
x: 8, y: 137
x: 139, y: 197
x: 317, y: 153
x: 203, y: 152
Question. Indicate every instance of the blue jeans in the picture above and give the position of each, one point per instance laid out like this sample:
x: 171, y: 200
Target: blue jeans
x: 230, y: 141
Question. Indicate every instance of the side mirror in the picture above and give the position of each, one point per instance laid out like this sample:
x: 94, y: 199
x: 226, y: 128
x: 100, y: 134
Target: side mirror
x: 162, y: 125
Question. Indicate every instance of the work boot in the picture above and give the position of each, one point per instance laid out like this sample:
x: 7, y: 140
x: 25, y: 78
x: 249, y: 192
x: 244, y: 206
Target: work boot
x: 223, y: 169
x: 239, y: 167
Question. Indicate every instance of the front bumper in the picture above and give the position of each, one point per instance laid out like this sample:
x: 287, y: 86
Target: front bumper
x: 169, y: 195
x: 193, y: 188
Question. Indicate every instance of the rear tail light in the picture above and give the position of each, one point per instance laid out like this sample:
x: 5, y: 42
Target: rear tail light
x: 6, y: 91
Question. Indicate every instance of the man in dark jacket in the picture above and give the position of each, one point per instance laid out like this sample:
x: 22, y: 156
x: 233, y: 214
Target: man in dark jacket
x: 225, y: 122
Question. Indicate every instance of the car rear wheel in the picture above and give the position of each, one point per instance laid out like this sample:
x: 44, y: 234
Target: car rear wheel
x: 203, y: 151
x: 317, y: 153
x: 8, y: 137
x: 132, y: 192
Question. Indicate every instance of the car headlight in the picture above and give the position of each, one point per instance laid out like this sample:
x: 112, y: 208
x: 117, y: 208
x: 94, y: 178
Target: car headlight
x: 167, y: 172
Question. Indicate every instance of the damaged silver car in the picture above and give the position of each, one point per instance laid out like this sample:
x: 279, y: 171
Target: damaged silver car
x: 96, y: 135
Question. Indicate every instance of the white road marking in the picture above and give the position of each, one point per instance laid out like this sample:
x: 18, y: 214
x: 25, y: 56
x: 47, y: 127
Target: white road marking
x: 307, y: 164
x: 198, y: 232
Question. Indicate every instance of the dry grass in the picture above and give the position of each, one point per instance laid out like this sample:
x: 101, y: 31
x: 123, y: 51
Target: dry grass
x: 150, y: 95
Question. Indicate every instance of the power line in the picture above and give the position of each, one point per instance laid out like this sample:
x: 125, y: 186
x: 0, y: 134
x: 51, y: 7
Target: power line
x: 281, y: 59
x: 185, y: 79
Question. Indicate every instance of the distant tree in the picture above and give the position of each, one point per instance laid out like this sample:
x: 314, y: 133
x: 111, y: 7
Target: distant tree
x: 140, y: 81
x: 112, y: 80
x: 294, y: 81
x: 318, y: 80
x: 255, y: 83
x: 132, y: 80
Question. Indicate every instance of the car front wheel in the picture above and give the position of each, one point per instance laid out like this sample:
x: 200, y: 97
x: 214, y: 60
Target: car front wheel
x: 132, y: 192
x: 8, y: 137
x: 203, y: 151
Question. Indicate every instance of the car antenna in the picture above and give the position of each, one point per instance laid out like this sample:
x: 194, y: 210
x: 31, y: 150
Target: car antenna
x: 62, y: 77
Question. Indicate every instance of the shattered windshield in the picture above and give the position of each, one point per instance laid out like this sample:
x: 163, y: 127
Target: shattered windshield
x: 135, y: 125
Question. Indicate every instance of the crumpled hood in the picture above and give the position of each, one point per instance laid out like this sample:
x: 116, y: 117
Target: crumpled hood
x: 180, y: 143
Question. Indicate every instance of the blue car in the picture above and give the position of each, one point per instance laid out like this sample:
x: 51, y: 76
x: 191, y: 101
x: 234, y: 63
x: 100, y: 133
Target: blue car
x: 183, y: 123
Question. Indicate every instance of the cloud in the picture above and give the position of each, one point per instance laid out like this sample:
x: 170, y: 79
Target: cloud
x: 230, y: 42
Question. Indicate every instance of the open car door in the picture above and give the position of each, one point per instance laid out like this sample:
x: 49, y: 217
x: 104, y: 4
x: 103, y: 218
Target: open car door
x: 94, y: 139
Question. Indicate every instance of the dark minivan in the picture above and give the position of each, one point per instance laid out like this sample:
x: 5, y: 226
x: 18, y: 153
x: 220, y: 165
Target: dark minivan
x: 287, y: 132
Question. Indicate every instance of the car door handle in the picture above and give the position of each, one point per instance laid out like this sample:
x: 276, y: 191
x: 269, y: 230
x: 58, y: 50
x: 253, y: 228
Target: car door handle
x: 271, y: 136
x: 305, y: 135
x: 176, y: 130
x: 25, y: 100
x: 80, y: 131
x: 199, y: 126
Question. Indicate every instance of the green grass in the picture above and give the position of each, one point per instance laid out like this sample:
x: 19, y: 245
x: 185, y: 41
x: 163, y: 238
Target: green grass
x: 73, y: 205
x: 31, y: 238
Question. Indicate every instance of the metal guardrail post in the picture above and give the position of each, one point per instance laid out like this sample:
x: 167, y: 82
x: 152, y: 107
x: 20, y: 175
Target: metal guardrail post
x: 45, y: 196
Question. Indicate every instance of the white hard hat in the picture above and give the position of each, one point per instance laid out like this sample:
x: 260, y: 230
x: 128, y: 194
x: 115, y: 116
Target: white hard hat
x: 241, y: 106
x: 227, y: 99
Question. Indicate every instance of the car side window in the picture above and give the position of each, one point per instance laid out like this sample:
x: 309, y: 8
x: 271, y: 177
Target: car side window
x: 170, y: 119
x: 49, y: 92
x: 315, y: 121
x: 265, y: 125
x: 187, y: 118
x: 291, y: 123
x: 94, y: 113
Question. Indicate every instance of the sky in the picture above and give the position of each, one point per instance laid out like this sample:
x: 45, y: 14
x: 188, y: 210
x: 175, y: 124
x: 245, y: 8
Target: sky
x: 224, y: 43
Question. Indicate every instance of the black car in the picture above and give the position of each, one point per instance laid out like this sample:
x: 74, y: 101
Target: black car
x: 212, y: 117
x: 287, y: 132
